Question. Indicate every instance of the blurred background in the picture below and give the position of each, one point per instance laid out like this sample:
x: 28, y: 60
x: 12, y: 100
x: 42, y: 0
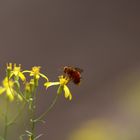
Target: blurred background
x: 100, y: 36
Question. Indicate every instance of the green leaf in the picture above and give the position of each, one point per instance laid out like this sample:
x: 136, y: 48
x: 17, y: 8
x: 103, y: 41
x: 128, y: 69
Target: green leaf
x: 1, y: 138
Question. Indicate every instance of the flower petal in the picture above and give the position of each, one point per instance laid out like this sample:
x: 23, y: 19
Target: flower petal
x: 10, y: 94
x: 67, y: 93
x: 21, y: 75
x: 44, y: 76
x: 2, y: 89
x: 48, y: 84
x: 26, y: 71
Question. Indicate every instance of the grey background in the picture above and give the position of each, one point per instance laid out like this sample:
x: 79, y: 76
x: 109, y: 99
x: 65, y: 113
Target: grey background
x: 99, y: 36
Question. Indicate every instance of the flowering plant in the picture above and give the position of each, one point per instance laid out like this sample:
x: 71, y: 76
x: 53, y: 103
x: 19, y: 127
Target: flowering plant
x: 20, y: 86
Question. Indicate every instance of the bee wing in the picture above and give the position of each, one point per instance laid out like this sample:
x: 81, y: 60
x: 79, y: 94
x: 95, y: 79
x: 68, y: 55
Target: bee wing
x: 78, y: 69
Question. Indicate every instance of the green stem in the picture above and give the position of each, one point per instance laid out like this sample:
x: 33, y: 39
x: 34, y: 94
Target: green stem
x: 24, y: 98
x: 33, y: 130
x: 6, y: 121
x: 33, y: 115
x: 5, y: 132
x: 48, y: 110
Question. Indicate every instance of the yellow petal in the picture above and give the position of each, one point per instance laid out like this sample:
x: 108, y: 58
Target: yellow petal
x: 26, y: 71
x: 44, y: 76
x: 48, y: 84
x: 2, y: 90
x: 67, y: 93
x: 21, y: 75
x: 10, y: 94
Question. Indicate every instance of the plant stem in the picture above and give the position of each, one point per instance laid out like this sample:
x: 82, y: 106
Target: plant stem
x: 5, y: 130
x: 33, y: 115
x: 6, y: 121
x: 40, y: 117
x: 33, y: 130
x: 48, y: 110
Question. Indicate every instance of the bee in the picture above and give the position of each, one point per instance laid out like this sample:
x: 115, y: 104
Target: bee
x: 73, y: 74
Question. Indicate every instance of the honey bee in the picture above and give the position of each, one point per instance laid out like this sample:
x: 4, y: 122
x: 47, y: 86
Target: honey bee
x: 73, y: 74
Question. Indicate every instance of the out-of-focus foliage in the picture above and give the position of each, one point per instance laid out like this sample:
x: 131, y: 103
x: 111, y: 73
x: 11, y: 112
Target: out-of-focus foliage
x: 101, y: 130
x: 123, y: 123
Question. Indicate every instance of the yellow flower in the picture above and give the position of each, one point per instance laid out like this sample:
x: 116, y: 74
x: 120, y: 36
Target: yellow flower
x: 63, y: 81
x: 15, y: 71
x: 9, y: 66
x: 29, y: 86
x: 35, y: 72
x: 8, y: 89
